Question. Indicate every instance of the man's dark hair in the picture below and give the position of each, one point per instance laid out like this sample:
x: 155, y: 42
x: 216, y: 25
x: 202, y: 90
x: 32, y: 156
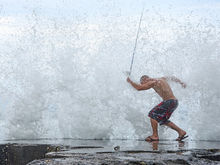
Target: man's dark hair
x: 143, y: 77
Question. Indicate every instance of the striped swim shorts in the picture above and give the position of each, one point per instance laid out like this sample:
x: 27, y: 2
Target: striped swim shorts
x: 162, y: 112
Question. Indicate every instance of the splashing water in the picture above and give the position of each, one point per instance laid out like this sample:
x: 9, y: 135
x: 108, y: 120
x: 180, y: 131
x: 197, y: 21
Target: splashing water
x: 63, y: 78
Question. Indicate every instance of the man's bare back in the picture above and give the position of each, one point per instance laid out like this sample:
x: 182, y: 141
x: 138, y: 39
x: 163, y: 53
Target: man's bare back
x: 163, y: 89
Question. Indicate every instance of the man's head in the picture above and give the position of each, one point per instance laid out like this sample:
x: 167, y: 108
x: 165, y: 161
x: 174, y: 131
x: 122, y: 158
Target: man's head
x: 144, y: 79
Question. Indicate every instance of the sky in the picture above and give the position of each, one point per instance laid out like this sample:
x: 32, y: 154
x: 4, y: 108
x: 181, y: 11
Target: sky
x: 14, y: 12
x: 93, y: 8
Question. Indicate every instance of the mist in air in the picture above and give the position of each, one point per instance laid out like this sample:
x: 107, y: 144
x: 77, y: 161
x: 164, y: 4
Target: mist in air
x: 62, y: 67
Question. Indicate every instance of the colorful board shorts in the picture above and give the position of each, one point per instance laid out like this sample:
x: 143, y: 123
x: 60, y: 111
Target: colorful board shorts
x: 163, y: 111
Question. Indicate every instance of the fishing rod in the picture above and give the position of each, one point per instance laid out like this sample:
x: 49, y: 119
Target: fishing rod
x: 134, y: 51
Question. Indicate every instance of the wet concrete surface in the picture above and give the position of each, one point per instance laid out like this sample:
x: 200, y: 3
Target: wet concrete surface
x: 105, y: 152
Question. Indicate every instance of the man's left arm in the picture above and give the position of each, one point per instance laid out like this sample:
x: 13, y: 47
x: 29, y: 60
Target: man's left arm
x: 140, y: 87
x: 175, y: 79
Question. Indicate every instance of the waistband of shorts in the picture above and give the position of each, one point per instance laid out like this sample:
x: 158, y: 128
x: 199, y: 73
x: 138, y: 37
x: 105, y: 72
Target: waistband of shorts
x: 170, y: 100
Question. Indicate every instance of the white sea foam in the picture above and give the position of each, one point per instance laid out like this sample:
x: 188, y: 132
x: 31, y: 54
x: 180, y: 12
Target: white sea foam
x: 64, y: 78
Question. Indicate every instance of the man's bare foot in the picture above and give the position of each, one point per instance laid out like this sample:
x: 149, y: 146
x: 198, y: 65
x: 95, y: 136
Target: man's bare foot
x: 152, y: 138
x: 182, y: 135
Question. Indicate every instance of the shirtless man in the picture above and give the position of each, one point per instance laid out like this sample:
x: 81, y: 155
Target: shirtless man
x: 162, y: 112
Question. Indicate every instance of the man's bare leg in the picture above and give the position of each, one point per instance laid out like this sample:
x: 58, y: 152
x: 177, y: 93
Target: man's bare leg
x: 181, y: 132
x: 154, y: 125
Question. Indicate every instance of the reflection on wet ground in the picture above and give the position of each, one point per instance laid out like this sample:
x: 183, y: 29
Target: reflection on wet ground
x: 69, y: 151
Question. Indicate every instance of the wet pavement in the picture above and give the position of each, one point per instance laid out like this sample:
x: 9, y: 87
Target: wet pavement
x: 69, y: 151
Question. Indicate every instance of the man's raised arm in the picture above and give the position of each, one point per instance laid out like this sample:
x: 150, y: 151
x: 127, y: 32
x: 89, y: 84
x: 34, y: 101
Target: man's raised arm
x: 173, y: 78
x: 145, y: 86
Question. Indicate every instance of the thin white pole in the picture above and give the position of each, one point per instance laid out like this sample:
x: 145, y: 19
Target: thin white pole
x: 134, y: 51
